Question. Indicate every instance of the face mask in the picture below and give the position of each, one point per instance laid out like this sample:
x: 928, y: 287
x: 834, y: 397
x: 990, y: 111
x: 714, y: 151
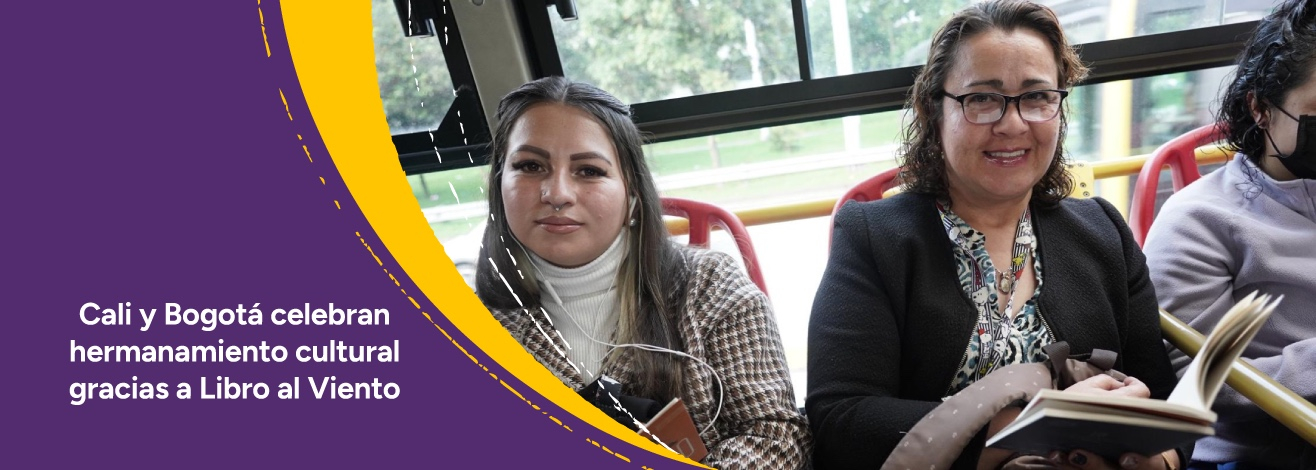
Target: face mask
x: 1302, y: 160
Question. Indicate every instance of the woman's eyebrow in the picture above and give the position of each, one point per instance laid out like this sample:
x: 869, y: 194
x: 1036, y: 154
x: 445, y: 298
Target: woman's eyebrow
x: 994, y: 83
x: 531, y: 149
x: 998, y: 84
x: 590, y: 155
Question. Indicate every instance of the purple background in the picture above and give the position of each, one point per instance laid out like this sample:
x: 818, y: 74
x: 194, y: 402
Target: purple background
x: 148, y: 159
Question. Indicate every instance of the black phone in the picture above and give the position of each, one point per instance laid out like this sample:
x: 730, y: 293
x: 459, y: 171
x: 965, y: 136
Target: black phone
x: 606, y: 394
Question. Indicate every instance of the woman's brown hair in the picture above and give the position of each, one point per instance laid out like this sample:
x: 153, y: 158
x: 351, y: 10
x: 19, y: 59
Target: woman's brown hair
x: 651, y: 281
x: 921, y: 156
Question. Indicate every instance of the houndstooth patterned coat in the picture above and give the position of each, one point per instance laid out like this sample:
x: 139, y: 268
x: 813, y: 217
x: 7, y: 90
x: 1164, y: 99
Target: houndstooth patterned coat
x: 730, y: 325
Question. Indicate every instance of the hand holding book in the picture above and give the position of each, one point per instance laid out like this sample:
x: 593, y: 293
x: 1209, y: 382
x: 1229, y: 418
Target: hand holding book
x: 1102, y: 384
x: 1110, y: 425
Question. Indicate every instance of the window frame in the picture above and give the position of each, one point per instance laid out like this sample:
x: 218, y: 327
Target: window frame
x: 809, y: 99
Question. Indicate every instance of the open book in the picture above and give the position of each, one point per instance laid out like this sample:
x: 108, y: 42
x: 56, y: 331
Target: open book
x: 674, y: 427
x: 1109, y: 425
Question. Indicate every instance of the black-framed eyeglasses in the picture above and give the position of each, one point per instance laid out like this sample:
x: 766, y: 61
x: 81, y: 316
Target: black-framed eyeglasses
x: 1033, y: 106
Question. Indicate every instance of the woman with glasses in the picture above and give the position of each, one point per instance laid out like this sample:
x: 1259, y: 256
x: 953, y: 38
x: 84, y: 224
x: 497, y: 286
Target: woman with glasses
x: 1250, y: 226
x: 982, y: 261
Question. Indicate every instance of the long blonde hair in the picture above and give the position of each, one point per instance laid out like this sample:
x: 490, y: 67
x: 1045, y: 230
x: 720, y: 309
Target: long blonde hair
x: 652, y: 279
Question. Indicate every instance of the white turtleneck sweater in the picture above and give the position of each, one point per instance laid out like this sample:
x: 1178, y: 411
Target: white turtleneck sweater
x: 582, y: 303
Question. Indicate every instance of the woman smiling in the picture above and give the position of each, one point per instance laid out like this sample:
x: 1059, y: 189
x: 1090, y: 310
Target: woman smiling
x: 982, y: 262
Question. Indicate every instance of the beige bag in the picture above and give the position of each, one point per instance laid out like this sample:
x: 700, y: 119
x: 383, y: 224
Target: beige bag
x: 939, y: 438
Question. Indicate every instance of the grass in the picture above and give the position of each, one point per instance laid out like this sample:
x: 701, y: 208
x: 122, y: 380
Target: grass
x: 831, y: 181
x: 828, y: 180
x: 693, y: 154
x: 468, y: 183
x: 449, y: 229
x: 735, y: 148
x: 794, y: 140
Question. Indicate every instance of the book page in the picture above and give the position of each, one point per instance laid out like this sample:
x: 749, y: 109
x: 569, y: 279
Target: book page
x: 1110, y: 425
x: 1105, y: 434
x: 1206, y: 373
x: 1144, y: 406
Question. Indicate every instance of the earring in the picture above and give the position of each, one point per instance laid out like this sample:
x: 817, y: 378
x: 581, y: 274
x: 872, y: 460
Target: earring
x: 632, y: 222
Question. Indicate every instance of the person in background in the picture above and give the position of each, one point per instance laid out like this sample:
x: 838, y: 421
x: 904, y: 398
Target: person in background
x: 581, y: 271
x: 1251, y: 226
x: 982, y: 260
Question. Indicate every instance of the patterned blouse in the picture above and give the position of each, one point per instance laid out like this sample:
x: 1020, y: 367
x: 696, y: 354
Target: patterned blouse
x: 1015, y: 341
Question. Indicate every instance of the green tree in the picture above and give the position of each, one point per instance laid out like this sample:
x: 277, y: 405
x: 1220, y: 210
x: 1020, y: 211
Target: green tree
x: 395, y: 56
x: 645, y: 50
x: 883, y: 34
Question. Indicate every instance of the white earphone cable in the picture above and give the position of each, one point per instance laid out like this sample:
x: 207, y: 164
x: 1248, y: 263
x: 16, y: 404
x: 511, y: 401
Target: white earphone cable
x: 644, y: 347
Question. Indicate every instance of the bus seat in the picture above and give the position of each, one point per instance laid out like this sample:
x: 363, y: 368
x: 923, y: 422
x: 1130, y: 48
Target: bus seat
x: 1180, y: 154
x: 703, y: 217
x: 1084, y: 179
x: 871, y: 189
x: 885, y: 185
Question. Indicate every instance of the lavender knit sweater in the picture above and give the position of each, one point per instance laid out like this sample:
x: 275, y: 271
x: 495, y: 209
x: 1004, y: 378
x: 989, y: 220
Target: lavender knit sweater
x: 1233, y: 232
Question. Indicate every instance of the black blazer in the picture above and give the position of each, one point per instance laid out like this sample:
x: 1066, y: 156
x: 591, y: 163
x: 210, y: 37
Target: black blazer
x: 890, y: 322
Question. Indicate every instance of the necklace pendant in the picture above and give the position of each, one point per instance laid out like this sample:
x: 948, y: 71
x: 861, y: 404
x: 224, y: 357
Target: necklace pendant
x: 1004, y: 282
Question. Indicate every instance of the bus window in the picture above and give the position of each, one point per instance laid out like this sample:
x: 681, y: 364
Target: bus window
x: 413, y: 76
x: 641, y: 50
x: 671, y: 55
